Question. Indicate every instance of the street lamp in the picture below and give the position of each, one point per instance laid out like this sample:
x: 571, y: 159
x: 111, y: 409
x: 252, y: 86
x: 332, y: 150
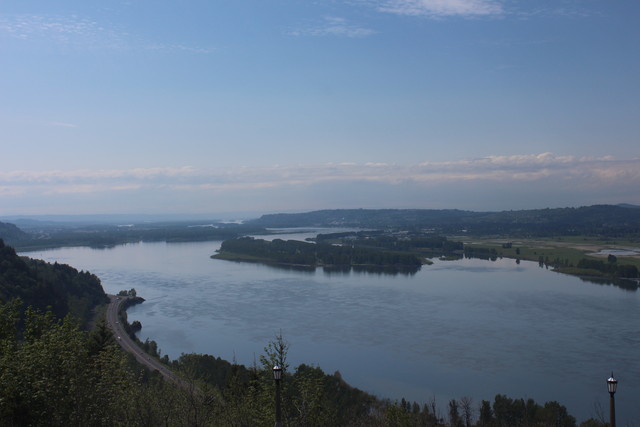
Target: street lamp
x: 277, y: 376
x: 612, y: 385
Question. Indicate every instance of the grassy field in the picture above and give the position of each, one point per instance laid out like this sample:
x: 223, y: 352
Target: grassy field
x: 566, y: 250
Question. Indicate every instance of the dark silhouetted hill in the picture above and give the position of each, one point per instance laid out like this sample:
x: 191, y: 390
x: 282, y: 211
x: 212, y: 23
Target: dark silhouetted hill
x: 42, y: 285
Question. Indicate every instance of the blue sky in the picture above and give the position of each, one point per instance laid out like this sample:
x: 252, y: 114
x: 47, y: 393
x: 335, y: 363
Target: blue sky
x: 279, y: 105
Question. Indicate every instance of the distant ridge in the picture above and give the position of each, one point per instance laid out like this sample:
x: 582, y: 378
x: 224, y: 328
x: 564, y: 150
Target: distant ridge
x: 627, y: 205
x: 597, y: 219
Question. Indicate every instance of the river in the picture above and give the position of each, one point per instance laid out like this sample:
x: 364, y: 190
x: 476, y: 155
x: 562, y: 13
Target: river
x: 456, y: 328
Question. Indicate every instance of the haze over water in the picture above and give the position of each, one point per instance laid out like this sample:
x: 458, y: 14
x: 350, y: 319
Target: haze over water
x: 456, y: 328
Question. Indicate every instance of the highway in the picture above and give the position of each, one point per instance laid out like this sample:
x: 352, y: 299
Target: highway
x: 129, y: 345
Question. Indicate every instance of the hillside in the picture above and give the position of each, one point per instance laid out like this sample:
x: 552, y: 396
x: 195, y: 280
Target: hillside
x: 11, y: 233
x: 590, y: 220
x: 42, y: 285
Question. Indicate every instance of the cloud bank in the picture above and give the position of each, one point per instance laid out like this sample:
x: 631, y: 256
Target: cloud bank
x: 489, y: 183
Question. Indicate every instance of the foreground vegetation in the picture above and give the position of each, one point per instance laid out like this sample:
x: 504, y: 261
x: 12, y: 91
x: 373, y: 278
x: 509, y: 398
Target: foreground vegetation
x: 54, y: 374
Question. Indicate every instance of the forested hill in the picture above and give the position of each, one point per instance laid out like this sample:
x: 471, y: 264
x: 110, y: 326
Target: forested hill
x: 41, y: 285
x: 10, y: 233
x: 597, y: 219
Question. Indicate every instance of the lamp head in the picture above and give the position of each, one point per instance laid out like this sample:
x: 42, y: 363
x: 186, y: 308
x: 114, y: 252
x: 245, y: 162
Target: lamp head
x: 612, y: 385
x: 277, y: 373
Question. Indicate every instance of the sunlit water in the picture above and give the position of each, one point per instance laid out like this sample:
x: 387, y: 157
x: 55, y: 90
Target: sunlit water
x: 456, y: 328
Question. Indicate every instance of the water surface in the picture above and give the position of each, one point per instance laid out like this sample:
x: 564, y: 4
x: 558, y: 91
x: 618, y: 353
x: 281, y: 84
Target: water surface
x: 456, y: 328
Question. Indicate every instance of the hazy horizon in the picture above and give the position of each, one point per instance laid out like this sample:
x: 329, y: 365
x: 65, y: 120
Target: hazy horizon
x: 121, y: 218
x: 279, y: 106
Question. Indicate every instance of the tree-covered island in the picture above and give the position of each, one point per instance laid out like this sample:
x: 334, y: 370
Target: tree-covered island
x: 363, y: 250
x: 597, y: 242
x: 293, y: 253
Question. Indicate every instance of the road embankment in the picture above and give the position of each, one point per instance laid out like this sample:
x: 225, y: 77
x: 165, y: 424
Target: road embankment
x: 130, y: 346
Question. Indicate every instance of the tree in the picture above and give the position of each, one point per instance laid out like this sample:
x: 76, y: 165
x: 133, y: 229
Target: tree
x: 51, y: 377
x: 553, y: 412
x: 466, y: 404
x: 486, y: 414
x: 454, y: 415
x: 309, y: 400
x: 100, y: 337
x: 276, y: 354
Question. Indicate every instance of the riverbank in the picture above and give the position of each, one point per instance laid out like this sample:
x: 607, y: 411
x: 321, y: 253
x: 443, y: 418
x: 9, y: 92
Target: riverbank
x: 573, y: 255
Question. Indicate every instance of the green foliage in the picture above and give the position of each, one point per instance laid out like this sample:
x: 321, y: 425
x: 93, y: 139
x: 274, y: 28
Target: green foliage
x: 518, y: 412
x: 480, y: 252
x: 486, y: 414
x: 298, y: 253
x: 609, y: 268
x: 598, y: 220
x: 309, y: 396
x: 211, y: 370
x: 588, y: 220
x: 454, y: 415
x: 52, y: 377
x: 57, y: 375
x: 404, y: 242
x: 275, y: 354
x: 42, y: 285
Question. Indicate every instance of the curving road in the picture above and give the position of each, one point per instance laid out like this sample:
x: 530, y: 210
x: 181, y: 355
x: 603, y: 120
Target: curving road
x: 129, y: 345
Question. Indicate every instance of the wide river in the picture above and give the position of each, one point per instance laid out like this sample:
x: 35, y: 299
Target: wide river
x: 456, y: 328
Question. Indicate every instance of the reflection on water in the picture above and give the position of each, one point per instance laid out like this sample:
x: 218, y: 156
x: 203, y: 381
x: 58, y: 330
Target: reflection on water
x: 466, y: 327
x: 627, y: 284
x: 389, y: 270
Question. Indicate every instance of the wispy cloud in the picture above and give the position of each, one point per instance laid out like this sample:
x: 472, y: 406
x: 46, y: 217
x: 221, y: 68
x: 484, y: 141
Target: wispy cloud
x: 520, y: 168
x: 441, y: 8
x: 81, y: 33
x: 173, y: 47
x: 101, y: 175
x: 69, y: 30
x: 62, y: 125
x: 573, y: 9
x: 488, y: 183
x: 333, y: 26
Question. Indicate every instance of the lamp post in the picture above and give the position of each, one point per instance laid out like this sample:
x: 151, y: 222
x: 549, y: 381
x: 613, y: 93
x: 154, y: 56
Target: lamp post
x: 277, y: 376
x: 612, y: 385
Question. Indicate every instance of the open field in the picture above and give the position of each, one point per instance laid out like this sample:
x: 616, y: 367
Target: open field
x: 568, y: 250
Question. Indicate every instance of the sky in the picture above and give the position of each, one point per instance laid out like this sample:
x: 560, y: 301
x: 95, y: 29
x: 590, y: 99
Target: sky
x: 264, y: 106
